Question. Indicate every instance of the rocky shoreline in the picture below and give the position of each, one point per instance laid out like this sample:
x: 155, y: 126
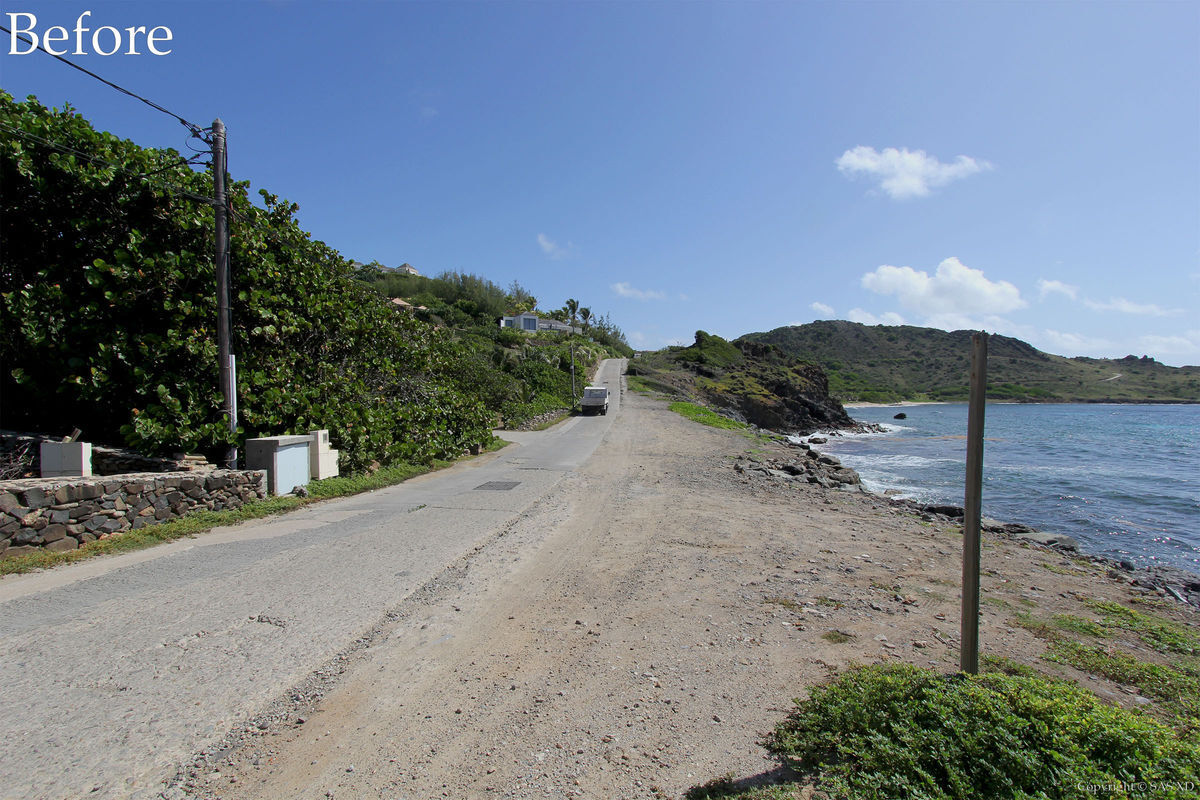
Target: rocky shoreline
x: 827, y: 471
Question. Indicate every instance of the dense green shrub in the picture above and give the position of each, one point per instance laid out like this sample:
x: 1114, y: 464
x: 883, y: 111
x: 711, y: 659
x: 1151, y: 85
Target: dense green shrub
x: 108, y: 312
x: 897, y: 731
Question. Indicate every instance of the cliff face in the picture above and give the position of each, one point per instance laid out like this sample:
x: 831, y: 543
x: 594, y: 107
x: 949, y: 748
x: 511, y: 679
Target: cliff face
x: 752, y: 381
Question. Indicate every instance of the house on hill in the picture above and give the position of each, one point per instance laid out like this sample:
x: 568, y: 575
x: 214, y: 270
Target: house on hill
x: 532, y: 323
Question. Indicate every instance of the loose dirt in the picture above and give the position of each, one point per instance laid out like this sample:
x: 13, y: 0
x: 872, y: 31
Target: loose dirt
x: 637, y: 633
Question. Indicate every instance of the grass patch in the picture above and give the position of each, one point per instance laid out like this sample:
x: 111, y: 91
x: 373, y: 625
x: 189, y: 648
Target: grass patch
x: 637, y: 383
x: 1007, y: 666
x: 203, y: 521
x: 1058, y: 569
x: 828, y: 602
x: 1162, y: 635
x: 899, y: 732
x: 705, y: 416
x: 1177, y: 687
x: 837, y: 637
x: 785, y: 602
x: 1178, y: 691
x: 1086, y: 627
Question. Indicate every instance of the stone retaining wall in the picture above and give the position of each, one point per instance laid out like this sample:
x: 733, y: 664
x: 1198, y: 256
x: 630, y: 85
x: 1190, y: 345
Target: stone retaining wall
x: 65, y: 513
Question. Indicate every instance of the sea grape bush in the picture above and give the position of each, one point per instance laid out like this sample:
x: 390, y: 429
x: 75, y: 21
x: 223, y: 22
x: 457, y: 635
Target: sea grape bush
x: 108, y: 313
x: 899, y: 731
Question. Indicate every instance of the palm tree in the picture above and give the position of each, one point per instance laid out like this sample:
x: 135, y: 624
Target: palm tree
x: 573, y: 309
x: 585, y: 314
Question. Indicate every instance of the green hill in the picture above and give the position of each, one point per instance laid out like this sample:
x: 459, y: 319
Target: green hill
x: 886, y: 363
x: 751, y: 381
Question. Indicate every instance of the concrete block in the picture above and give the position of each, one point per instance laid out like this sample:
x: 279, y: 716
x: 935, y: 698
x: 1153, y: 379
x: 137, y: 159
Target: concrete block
x: 66, y: 459
x: 323, y: 462
x: 285, y: 459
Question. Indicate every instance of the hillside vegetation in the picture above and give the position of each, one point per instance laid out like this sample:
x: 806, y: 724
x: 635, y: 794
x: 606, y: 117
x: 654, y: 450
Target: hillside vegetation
x: 108, y: 316
x: 750, y: 381
x: 885, y: 363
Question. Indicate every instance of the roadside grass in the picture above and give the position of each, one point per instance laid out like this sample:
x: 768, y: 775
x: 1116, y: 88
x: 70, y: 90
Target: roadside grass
x: 1175, y: 687
x: 902, y: 732
x: 204, y: 521
x: 704, y: 416
x: 637, y: 383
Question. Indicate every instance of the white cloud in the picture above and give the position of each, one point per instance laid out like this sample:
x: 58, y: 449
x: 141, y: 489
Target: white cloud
x: 625, y: 290
x: 906, y: 173
x: 953, y: 288
x: 551, y: 248
x: 1073, y: 344
x: 1183, y: 348
x: 428, y: 112
x: 1130, y: 307
x: 867, y: 318
x: 954, y: 321
x: 822, y: 309
x: 636, y: 338
x: 1046, y: 287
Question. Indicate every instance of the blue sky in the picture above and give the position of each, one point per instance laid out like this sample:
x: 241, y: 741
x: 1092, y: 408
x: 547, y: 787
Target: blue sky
x: 1028, y: 168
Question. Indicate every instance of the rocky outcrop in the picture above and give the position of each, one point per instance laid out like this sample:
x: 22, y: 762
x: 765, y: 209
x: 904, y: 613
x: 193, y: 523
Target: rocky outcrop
x: 809, y: 467
x: 752, y: 382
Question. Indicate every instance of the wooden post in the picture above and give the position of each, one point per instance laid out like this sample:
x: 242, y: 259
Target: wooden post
x: 225, y: 374
x: 972, y: 507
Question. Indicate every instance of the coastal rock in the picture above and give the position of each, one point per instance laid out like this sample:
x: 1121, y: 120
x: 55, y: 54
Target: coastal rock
x: 1058, y: 540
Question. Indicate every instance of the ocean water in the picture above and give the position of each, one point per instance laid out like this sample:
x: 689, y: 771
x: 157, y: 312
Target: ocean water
x: 1124, y: 480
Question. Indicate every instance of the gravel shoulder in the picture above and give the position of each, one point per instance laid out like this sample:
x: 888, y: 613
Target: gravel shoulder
x: 635, y: 633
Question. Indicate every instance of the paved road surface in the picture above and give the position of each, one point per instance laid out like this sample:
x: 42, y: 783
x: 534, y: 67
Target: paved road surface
x: 115, y: 670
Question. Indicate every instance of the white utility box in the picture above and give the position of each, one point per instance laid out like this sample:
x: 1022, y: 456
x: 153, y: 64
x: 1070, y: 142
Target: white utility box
x: 322, y: 461
x: 285, y: 458
x: 66, y: 459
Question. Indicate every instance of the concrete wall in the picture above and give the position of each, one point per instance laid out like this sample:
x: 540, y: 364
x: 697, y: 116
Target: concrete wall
x: 65, y: 513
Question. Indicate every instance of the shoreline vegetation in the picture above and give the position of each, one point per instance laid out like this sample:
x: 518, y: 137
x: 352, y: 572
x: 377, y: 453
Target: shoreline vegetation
x: 1114, y: 659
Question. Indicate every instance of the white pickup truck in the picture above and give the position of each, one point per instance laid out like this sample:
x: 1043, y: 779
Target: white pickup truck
x: 595, y: 398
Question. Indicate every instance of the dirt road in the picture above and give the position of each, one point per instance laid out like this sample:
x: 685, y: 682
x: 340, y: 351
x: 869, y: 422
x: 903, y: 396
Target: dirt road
x: 632, y: 636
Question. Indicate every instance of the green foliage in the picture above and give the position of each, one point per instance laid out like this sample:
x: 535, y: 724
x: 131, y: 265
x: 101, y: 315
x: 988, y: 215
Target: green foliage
x: 710, y: 350
x: 1176, y: 686
x: 705, y: 417
x: 1160, y: 634
x: 759, y: 382
x: 108, y: 316
x: 897, y: 731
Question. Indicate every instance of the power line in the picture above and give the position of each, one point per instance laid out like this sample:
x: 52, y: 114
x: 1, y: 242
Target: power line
x: 196, y: 130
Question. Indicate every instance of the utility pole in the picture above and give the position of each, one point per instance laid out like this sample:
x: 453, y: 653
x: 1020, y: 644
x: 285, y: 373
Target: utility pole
x: 224, y: 333
x: 972, y: 508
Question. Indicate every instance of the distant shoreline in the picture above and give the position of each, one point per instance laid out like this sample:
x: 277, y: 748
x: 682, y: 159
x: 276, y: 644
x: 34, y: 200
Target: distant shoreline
x: 1108, y: 402
x: 900, y: 404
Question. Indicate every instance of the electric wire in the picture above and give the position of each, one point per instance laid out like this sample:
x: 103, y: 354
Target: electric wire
x: 196, y: 130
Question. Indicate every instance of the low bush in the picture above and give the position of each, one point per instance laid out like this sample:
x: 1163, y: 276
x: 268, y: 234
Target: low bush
x: 898, y: 731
